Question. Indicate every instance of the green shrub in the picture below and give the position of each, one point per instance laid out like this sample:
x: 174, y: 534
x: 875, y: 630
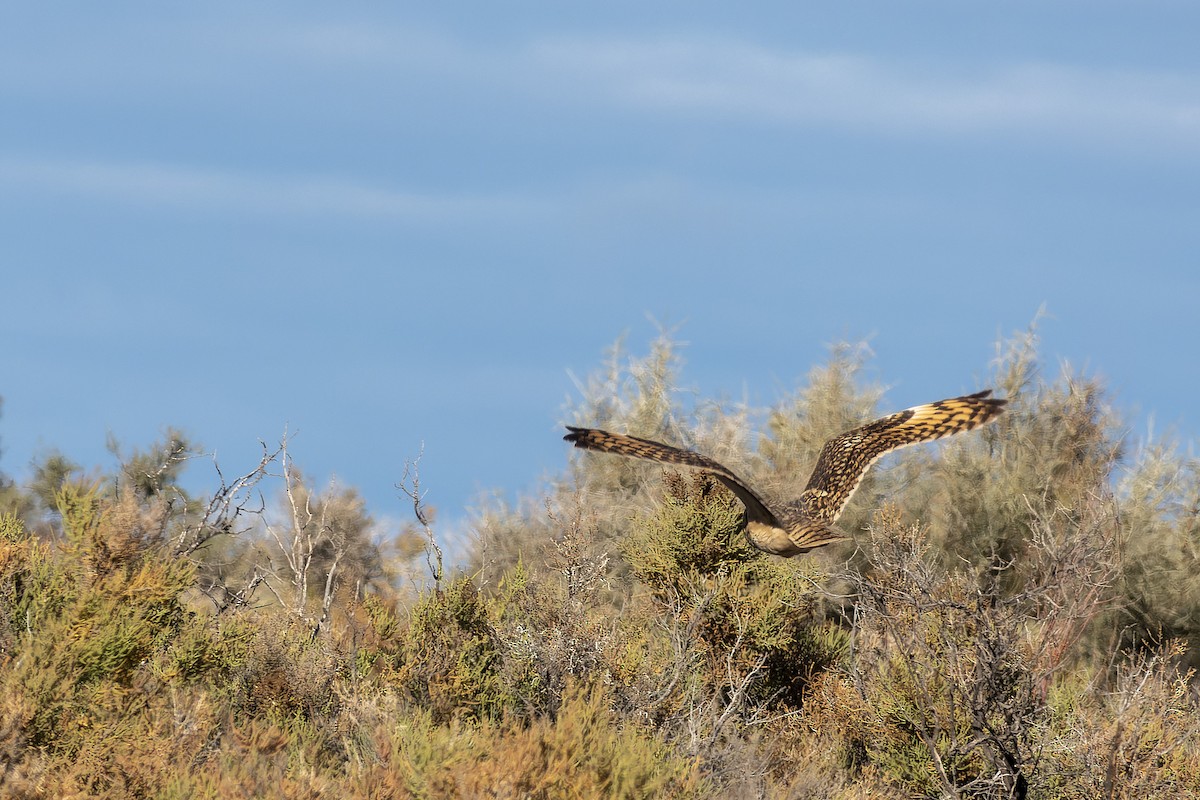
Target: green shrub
x: 88, y: 616
x: 450, y: 660
x: 1000, y: 626
x: 582, y: 752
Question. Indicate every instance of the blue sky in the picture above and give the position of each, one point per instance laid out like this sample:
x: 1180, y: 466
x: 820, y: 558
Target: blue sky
x: 382, y: 225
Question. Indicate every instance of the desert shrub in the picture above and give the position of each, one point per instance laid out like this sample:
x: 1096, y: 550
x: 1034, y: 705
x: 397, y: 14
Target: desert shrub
x: 1054, y: 448
x: 1015, y: 617
x: 1160, y: 496
x: 374, y: 637
x: 286, y: 673
x: 89, y: 615
x: 751, y: 614
x: 583, y: 751
x: 947, y: 690
x: 451, y: 658
x: 509, y: 653
x: 95, y: 613
x: 551, y: 638
x: 740, y: 627
x: 1131, y: 734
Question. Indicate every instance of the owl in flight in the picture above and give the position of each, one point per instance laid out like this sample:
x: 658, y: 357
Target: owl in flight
x: 807, y: 523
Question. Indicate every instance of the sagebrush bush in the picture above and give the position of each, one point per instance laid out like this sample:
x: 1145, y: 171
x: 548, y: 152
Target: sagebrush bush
x: 583, y: 751
x: 451, y: 658
x: 1014, y: 616
x: 752, y: 617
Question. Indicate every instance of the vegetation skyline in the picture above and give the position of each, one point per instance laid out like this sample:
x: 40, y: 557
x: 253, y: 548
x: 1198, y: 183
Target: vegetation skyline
x: 379, y: 227
x: 1015, y: 616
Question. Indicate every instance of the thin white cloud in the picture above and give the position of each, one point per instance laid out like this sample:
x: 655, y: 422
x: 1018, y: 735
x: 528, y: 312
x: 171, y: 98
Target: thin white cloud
x: 747, y: 83
x: 594, y: 203
x: 226, y: 191
x: 709, y: 77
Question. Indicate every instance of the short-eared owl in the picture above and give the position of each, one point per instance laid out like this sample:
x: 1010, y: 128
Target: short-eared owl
x: 807, y: 522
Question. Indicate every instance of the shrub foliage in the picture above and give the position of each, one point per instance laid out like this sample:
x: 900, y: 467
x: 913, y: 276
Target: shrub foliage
x: 1015, y: 617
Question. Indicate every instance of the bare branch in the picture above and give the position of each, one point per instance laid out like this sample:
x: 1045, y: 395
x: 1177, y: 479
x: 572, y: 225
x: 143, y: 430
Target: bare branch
x: 230, y: 504
x: 410, y: 484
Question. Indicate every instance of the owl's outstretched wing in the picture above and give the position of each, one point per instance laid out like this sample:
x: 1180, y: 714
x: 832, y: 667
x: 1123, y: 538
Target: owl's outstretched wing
x: 620, y: 444
x: 845, y: 458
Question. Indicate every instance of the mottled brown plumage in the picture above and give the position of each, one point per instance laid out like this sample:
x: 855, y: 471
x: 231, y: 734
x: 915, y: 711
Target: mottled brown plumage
x: 806, y: 523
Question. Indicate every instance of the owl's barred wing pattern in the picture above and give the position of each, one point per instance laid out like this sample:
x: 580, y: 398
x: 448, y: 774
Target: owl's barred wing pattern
x: 619, y: 444
x: 845, y: 459
x: 807, y: 523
